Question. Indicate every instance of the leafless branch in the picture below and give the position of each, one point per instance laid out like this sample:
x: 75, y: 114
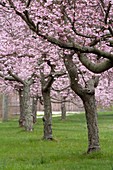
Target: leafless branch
x: 15, y: 77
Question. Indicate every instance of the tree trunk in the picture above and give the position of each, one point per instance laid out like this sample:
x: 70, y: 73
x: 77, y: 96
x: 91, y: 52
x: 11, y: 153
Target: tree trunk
x: 27, y: 108
x: 22, y: 112
x: 34, y: 109
x: 5, y: 108
x: 92, y: 124
x: 47, y: 119
x: 87, y: 94
x: 63, y: 110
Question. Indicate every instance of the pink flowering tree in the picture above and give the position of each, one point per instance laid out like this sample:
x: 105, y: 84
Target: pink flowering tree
x: 54, y: 28
x: 14, y: 69
x: 32, y: 77
x: 85, y: 28
x: 50, y: 69
x: 27, y: 64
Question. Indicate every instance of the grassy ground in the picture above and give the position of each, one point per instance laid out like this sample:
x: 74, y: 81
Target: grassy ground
x: 27, y: 151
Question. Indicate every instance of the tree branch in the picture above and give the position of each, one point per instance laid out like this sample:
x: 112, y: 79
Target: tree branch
x: 66, y: 45
x: 91, y: 85
x: 28, y: 3
x: 78, y: 48
x: 95, y: 68
x: 73, y: 74
x: 16, y: 77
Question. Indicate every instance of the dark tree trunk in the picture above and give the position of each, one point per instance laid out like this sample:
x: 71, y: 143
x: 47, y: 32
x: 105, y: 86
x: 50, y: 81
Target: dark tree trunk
x: 63, y: 110
x: 22, y: 113
x: 5, y: 108
x: 87, y: 94
x: 34, y: 109
x: 46, y: 89
x: 47, y: 119
x: 92, y: 124
x: 27, y: 108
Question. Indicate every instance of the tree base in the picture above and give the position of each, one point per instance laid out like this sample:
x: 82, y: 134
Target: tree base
x: 48, y: 138
x: 21, y: 122
x: 91, y: 150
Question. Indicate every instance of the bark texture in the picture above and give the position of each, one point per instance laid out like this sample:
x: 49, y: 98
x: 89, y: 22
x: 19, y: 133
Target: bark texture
x: 27, y: 107
x: 92, y: 124
x: 34, y: 109
x: 89, y: 102
x: 87, y: 94
x: 95, y: 67
x: 47, y: 119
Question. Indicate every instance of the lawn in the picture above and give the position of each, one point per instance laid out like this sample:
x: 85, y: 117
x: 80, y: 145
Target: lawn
x: 20, y: 150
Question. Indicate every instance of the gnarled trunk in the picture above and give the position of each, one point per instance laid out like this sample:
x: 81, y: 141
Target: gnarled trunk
x: 92, y: 124
x: 46, y: 89
x: 47, y: 119
x: 87, y: 94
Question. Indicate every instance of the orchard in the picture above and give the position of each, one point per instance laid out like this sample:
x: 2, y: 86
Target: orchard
x: 44, y: 40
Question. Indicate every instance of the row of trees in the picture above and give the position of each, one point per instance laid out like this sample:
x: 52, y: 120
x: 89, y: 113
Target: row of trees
x: 61, y: 37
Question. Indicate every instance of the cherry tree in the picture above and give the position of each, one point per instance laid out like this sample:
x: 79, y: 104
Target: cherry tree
x: 84, y: 27
x: 15, y: 69
x: 23, y: 70
x: 61, y: 23
x: 27, y: 58
x: 50, y: 70
x: 91, y: 84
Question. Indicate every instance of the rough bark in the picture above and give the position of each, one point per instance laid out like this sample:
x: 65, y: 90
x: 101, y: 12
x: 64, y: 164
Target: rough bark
x: 34, y: 109
x: 87, y: 94
x: 21, y: 102
x: 27, y: 107
x: 5, y: 108
x: 63, y: 110
x: 92, y: 124
x: 95, y: 67
x: 47, y: 119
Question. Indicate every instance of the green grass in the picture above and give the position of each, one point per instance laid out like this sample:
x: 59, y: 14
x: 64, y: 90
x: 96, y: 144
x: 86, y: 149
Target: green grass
x: 20, y: 150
